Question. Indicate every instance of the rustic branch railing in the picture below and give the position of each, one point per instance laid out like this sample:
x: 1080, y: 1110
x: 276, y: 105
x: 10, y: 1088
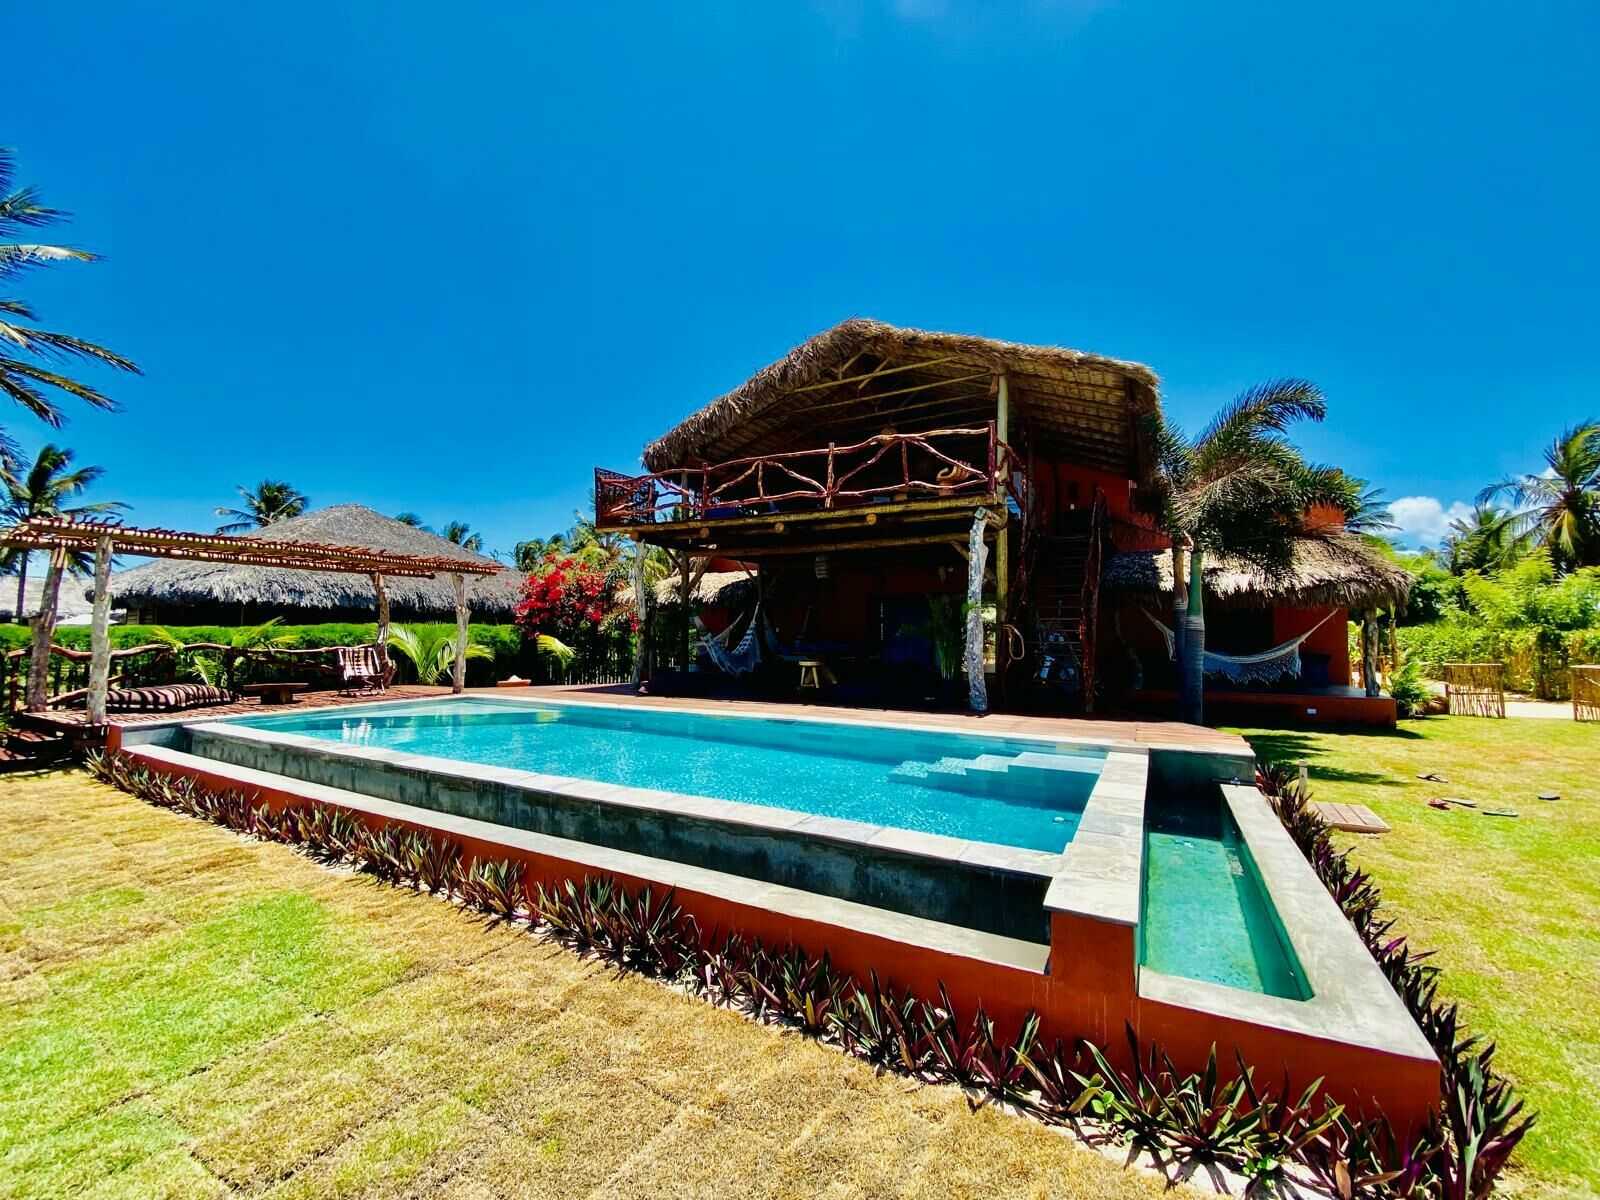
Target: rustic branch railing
x: 938, y: 464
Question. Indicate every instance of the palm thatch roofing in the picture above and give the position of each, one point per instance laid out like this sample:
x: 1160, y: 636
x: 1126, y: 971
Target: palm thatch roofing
x: 1334, y: 569
x: 714, y: 589
x: 175, y: 582
x: 862, y: 375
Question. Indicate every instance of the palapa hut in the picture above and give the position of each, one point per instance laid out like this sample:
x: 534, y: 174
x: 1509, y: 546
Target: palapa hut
x: 875, y: 469
x: 175, y: 592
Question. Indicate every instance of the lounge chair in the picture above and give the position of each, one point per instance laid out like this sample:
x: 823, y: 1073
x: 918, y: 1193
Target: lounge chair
x: 167, y: 697
x: 362, y: 671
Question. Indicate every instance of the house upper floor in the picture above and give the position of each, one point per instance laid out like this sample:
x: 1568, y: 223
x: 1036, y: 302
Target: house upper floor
x: 869, y: 426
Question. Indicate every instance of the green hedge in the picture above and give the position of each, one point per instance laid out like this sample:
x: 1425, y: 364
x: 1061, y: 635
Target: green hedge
x: 1536, y: 658
x: 504, y: 640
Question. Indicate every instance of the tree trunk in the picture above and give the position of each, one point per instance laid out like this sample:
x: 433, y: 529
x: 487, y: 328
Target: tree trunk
x: 22, y: 586
x: 458, y: 673
x: 641, y: 640
x: 44, y: 629
x: 977, y: 558
x: 1180, y: 606
x: 1369, y: 652
x: 100, y: 634
x: 1192, y: 684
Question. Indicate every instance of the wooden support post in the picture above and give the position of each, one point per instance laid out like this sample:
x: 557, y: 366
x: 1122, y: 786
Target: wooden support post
x: 1002, y: 536
x: 683, y: 599
x: 100, y: 633
x: 44, y: 632
x: 458, y: 675
x: 977, y: 557
x: 382, y: 636
x: 1369, y: 651
x: 641, y: 608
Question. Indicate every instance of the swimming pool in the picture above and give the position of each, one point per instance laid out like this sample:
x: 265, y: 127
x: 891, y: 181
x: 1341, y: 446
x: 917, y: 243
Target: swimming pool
x: 1014, y: 792
x: 1206, y: 914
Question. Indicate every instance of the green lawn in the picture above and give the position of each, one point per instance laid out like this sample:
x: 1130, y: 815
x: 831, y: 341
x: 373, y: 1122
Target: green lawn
x: 184, y: 1013
x: 1511, y: 905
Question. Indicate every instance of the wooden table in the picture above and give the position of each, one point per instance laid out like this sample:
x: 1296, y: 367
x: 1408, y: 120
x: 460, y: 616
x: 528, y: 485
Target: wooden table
x: 275, y: 693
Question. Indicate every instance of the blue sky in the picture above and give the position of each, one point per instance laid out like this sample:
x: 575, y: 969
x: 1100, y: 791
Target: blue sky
x: 448, y: 258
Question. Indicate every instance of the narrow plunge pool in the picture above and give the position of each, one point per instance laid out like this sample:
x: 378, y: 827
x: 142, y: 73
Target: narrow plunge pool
x: 1206, y: 914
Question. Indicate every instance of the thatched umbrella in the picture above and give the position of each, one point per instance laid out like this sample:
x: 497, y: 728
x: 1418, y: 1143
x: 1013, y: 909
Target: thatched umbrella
x: 171, y: 583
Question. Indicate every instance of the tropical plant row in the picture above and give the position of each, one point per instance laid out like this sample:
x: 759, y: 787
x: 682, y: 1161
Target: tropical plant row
x: 1214, y: 1116
x: 1481, y: 1119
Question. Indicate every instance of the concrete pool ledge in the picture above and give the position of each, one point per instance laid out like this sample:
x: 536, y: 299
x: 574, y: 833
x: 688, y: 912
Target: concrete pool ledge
x: 952, y: 941
x: 991, y: 888
x: 1351, y: 1002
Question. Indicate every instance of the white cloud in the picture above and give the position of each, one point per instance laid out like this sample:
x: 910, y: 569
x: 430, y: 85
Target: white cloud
x: 1423, y: 520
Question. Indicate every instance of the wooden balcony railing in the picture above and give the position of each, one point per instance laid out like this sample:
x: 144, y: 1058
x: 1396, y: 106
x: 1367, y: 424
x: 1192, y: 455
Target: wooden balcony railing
x: 943, y: 463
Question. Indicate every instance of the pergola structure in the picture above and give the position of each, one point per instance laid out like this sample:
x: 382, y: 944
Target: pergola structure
x: 61, y: 536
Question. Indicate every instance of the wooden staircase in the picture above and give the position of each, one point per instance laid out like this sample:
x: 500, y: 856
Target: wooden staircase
x: 1058, y: 590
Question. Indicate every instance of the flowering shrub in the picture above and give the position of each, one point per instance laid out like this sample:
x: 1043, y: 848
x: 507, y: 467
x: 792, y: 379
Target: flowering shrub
x: 576, y: 602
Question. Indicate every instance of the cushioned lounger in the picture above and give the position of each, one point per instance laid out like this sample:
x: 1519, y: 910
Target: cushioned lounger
x: 166, y: 698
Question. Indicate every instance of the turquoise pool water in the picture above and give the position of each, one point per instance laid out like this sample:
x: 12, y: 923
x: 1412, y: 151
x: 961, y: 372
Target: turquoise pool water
x: 1011, y: 791
x: 1206, y: 914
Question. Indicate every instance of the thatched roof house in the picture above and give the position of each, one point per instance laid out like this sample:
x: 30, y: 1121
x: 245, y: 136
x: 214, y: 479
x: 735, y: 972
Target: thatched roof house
x: 173, y: 592
x: 1068, y: 398
x: 1335, y: 569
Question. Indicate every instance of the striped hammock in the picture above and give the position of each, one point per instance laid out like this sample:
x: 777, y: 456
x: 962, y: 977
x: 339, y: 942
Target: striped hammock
x: 1281, y: 662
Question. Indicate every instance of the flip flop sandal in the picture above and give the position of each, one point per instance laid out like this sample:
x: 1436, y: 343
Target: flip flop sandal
x: 1549, y: 795
x: 1461, y: 802
x: 1433, y: 777
x: 1438, y: 804
x: 1498, y: 812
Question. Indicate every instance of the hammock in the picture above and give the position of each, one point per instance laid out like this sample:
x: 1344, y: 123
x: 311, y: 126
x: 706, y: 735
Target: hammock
x: 744, y: 657
x: 1281, y: 662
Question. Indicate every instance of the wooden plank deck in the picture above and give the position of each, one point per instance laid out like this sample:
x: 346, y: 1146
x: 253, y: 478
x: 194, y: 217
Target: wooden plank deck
x: 1354, y: 818
x: 1137, y: 730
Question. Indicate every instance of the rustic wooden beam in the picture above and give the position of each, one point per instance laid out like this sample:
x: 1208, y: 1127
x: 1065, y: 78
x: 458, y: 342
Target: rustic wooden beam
x: 100, y: 633
x: 977, y: 554
x: 458, y: 674
x: 641, y: 604
x: 44, y: 629
x: 874, y: 374
x: 382, y: 636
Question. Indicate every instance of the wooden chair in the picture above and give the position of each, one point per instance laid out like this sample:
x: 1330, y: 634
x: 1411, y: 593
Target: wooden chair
x: 362, y: 671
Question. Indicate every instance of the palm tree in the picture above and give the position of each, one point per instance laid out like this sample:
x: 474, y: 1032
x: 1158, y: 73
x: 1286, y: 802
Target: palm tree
x: 25, y: 373
x: 1366, y: 513
x: 1239, y: 488
x: 1480, y: 541
x: 1560, y: 507
x: 526, y: 556
x: 432, y: 651
x: 272, y: 501
x: 43, y: 491
x: 461, y: 534
x: 411, y: 519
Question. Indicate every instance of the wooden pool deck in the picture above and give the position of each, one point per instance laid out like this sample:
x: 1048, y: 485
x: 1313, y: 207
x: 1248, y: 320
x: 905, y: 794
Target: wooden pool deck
x: 1138, y: 730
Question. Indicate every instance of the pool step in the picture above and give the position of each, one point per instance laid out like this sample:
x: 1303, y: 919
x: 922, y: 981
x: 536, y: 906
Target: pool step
x: 988, y: 774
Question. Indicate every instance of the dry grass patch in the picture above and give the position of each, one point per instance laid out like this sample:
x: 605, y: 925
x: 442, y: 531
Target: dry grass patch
x: 183, y: 1013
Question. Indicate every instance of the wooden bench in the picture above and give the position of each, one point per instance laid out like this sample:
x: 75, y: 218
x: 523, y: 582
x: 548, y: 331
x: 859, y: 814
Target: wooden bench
x: 275, y: 693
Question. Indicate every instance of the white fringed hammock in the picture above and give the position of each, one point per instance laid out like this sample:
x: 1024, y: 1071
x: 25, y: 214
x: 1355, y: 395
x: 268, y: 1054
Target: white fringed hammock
x: 745, y: 656
x: 1281, y: 662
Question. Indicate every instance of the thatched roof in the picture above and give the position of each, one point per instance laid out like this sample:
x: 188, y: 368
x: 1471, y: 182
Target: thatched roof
x: 1082, y: 406
x: 714, y: 589
x: 72, y: 608
x: 175, y: 582
x: 1336, y: 569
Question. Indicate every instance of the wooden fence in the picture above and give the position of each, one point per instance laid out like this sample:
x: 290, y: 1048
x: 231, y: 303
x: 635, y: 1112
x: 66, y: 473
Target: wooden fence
x: 1586, y: 693
x: 1475, y: 689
